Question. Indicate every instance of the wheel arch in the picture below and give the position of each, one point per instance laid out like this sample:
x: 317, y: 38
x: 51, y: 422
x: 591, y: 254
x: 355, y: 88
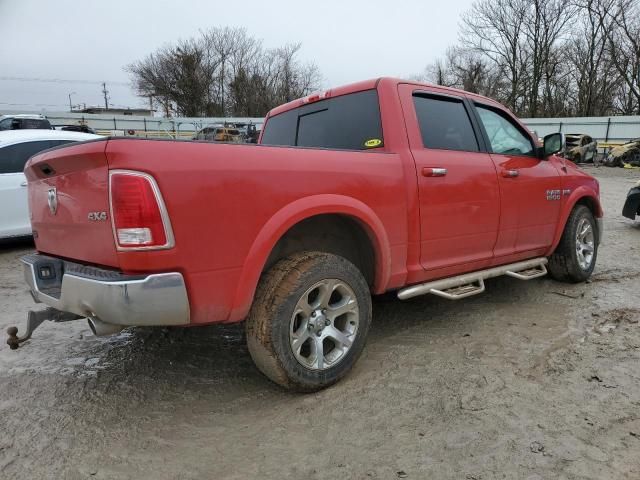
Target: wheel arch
x: 580, y: 196
x: 264, y: 250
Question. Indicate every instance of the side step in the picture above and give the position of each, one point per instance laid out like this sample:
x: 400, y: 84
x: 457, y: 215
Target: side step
x: 462, y: 286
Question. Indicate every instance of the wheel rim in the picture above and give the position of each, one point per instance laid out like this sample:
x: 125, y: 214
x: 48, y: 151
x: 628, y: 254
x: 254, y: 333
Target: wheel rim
x: 585, y: 244
x: 324, y: 324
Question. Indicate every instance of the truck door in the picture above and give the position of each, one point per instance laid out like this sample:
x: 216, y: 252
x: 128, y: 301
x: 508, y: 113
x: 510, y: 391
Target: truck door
x: 530, y: 187
x: 457, y: 181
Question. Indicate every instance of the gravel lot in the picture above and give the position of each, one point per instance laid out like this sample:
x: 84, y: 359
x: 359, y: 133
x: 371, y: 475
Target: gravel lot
x: 531, y: 380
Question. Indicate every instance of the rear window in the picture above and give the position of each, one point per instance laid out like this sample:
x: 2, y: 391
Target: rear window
x: 34, y: 123
x: 347, y: 122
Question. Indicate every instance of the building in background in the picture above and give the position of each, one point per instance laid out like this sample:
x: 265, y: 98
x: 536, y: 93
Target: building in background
x: 141, y: 112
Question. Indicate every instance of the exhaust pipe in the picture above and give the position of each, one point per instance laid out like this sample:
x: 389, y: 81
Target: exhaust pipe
x: 100, y: 328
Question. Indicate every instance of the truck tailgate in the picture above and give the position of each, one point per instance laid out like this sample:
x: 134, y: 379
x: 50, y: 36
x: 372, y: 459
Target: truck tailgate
x: 69, y: 203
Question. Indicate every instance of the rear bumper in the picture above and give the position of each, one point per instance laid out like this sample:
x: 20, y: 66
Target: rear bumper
x: 109, y: 296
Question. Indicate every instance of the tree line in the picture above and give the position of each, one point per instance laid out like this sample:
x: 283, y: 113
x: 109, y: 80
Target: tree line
x: 548, y: 58
x: 541, y: 58
x: 222, y: 72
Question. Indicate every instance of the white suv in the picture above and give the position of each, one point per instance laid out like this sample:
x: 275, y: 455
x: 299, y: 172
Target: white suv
x: 26, y: 121
x: 16, y: 146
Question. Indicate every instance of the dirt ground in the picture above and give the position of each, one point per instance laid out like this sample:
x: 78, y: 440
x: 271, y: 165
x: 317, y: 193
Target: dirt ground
x: 531, y: 380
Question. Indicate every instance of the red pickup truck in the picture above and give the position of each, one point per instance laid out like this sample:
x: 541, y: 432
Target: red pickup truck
x: 383, y: 185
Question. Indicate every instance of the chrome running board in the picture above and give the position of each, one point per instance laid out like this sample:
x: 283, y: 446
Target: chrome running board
x: 465, y: 285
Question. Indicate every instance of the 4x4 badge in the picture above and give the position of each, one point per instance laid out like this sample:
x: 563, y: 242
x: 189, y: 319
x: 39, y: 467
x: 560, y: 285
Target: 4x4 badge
x: 52, y: 200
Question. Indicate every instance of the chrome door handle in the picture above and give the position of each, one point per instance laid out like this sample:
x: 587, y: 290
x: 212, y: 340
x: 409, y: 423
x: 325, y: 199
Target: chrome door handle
x: 510, y: 173
x: 24, y: 184
x: 434, y: 172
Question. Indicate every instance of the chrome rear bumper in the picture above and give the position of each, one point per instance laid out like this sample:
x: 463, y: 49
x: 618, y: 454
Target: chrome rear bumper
x: 111, y: 297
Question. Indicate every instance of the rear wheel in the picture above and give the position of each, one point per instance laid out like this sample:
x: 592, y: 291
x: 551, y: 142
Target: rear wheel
x: 575, y: 257
x: 309, y: 320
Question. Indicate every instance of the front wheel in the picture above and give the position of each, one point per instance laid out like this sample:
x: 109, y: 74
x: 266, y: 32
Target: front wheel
x: 575, y: 257
x: 309, y: 320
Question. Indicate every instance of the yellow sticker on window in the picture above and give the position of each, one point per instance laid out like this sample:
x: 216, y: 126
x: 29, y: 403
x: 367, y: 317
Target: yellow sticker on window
x: 372, y: 143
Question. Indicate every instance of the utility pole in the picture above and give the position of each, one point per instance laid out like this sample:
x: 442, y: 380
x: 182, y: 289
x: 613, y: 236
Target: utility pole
x: 71, y: 106
x: 105, y: 92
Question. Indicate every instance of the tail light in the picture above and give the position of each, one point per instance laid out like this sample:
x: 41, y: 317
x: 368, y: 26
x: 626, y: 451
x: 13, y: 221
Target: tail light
x: 138, y: 214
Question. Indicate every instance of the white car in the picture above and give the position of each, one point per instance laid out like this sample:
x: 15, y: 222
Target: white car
x: 16, y: 146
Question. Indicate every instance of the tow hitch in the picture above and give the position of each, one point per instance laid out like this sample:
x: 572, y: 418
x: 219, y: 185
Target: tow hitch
x: 34, y: 320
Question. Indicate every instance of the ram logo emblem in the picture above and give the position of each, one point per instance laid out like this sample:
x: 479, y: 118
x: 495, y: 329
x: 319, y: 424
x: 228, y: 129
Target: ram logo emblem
x: 52, y: 200
x: 97, y: 216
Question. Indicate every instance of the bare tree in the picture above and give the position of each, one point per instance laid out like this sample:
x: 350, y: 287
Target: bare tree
x: 624, y: 45
x: 495, y: 30
x: 224, y: 71
x: 548, y: 57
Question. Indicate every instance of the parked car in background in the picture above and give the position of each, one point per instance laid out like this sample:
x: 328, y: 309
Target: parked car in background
x: 75, y: 128
x: 372, y: 187
x: 632, y: 204
x: 219, y: 134
x: 627, y: 153
x: 580, y: 148
x: 16, y: 146
x: 20, y: 122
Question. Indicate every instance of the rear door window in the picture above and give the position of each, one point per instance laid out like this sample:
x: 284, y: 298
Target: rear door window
x: 444, y: 123
x: 14, y: 157
x: 347, y: 122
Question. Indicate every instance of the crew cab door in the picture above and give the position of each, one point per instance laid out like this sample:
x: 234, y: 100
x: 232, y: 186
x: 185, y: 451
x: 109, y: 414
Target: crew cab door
x: 457, y: 182
x: 530, y: 188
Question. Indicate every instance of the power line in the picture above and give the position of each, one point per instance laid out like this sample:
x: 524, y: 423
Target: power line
x: 111, y: 105
x: 61, y: 80
x: 31, y: 104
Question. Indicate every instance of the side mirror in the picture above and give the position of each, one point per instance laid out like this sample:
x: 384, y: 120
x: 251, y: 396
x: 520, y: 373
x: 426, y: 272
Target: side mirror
x: 553, y: 143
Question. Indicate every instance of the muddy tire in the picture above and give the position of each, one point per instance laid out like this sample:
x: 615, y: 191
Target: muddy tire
x: 309, y: 321
x: 575, y: 257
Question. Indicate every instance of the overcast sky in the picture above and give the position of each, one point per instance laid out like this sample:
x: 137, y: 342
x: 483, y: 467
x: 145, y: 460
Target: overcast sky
x: 88, y: 42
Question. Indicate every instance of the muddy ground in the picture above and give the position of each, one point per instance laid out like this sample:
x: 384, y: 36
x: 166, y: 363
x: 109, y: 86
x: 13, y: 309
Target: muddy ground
x: 531, y: 380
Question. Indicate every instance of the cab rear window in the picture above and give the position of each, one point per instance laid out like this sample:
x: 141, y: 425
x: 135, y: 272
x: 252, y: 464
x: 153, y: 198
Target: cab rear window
x: 347, y: 122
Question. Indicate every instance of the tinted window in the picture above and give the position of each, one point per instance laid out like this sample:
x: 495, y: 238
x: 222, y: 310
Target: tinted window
x: 444, y: 124
x: 6, y: 124
x: 13, y: 157
x: 34, y: 123
x: 346, y: 122
x: 505, y: 136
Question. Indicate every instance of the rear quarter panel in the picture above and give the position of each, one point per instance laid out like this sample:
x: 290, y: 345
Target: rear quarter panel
x: 222, y: 198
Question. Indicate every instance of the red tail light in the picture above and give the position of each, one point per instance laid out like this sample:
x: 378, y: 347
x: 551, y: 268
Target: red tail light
x: 138, y: 213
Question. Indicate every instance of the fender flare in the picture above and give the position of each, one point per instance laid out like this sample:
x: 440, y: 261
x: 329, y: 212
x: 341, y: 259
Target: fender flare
x: 290, y: 215
x: 578, y: 194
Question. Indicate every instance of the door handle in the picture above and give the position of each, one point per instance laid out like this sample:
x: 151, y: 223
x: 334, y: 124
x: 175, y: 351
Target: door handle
x: 510, y: 173
x: 23, y: 184
x: 434, y: 172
